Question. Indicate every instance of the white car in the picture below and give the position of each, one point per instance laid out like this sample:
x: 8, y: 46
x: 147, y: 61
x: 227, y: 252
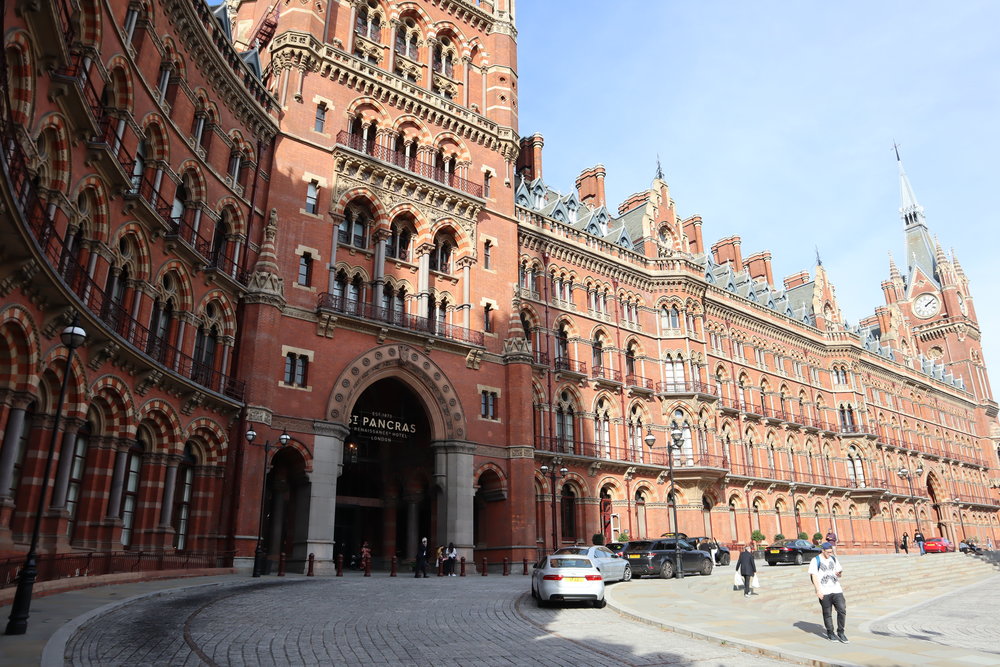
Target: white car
x: 611, y: 565
x: 567, y: 578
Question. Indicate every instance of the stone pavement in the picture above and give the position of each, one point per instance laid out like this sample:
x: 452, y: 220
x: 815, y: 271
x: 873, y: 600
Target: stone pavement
x: 908, y: 629
x: 354, y: 620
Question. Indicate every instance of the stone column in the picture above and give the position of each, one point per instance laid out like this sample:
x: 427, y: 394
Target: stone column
x: 423, y: 278
x: 457, y: 464
x: 328, y: 461
x: 11, y: 440
x: 65, y: 463
x: 117, y: 483
x: 412, y: 525
x: 169, y: 487
x: 466, y: 292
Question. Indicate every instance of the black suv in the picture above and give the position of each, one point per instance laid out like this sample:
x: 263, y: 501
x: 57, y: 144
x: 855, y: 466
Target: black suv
x: 652, y: 557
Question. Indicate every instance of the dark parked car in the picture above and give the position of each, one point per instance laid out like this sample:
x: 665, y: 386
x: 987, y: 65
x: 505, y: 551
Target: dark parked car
x: 617, y: 547
x: 657, y: 557
x: 702, y: 543
x: 790, y: 551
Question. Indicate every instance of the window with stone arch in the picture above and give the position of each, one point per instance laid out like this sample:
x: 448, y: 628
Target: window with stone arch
x: 206, y: 343
x: 445, y: 56
x: 770, y: 450
x: 77, y: 468
x: 597, y: 352
x: 120, y: 288
x: 184, y: 497
x: 562, y: 343
x: 631, y: 367
x: 408, y: 41
x: 394, y: 302
x: 681, y: 421
x: 163, y: 318
x: 354, y: 228
x: 369, y: 20
x: 673, y: 371
x: 566, y: 411
x: 569, y: 512
x: 132, y: 484
x: 855, y: 467
x: 443, y: 255
x: 670, y: 317
x: 437, y: 312
x: 635, y: 429
x: 20, y: 81
x: 602, y: 428
x: 640, y: 512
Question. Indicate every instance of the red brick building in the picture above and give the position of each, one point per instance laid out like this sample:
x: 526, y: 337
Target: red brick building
x: 318, y: 219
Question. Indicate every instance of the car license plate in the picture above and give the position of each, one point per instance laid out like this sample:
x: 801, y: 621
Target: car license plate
x: 573, y: 579
x: 634, y: 556
x: 775, y: 551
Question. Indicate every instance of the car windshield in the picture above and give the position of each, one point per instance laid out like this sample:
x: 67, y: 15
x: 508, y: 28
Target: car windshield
x: 577, y: 551
x: 569, y: 562
x: 639, y: 546
x: 786, y: 543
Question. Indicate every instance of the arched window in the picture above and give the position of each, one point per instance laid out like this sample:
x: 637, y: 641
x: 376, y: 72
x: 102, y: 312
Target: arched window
x: 183, y: 495
x: 602, y: 429
x: 598, y: 354
x: 565, y: 424
x: 635, y: 434
x: 568, y: 513
x: 353, y: 229
x: 130, y: 490
x: 562, y: 343
x: 206, y: 345
x: 368, y: 23
x: 76, y: 471
x: 400, y: 237
x: 681, y: 422
x: 640, y: 513
x: 441, y: 256
x: 630, y: 360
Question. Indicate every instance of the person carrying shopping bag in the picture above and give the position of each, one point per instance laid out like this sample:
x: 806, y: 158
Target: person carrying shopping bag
x: 746, y: 567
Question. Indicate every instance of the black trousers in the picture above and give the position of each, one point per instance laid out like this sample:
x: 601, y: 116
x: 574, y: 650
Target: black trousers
x: 828, y: 603
x: 746, y: 584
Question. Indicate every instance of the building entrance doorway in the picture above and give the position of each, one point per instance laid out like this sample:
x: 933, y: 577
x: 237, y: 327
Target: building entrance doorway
x: 385, y: 494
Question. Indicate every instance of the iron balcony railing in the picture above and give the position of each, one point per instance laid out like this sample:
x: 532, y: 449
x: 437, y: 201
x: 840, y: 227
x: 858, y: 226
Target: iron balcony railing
x: 367, y: 311
x: 409, y: 163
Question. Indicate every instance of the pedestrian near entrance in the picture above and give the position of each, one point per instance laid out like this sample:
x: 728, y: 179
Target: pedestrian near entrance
x: 747, y: 569
x: 825, y: 572
x: 831, y: 537
x: 918, y: 537
x: 421, y: 567
x: 451, y: 557
x: 905, y: 544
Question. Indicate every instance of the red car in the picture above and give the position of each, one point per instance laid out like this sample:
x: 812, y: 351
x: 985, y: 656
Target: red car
x: 938, y: 545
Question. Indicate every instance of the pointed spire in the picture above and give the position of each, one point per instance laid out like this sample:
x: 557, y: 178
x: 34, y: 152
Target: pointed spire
x: 958, y: 267
x: 939, y: 255
x: 819, y: 261
x: 659, y: 169
x: 913, y: 212
x: 893, y: 271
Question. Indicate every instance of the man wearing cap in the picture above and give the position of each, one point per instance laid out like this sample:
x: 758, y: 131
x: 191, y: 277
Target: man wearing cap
x: 825, y: 572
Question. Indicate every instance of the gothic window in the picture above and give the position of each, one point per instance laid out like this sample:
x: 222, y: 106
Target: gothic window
x: 562, y: 342
x: 488, y: 408
x: 296, y: 370
x: 681, y: 422
x: 130, y: 490
x: 602, y: 429
x: 568, y: 513
x: 133, y: 28
x: 442, y: 255
x: 630, y: 360
x: 305, y: 269
x: 565, y: 417
x: 444, y: 57
x: 369, y: 22
x: 598, y: 354
x: 399, y: 242
x: 635, y: 434
x: 353, y: 229
x: 407, y: 38
x: 183, y: 496
x: 76, y: 472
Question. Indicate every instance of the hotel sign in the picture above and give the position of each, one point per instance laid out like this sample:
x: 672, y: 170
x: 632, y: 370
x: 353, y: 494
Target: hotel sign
x: 382, y: 427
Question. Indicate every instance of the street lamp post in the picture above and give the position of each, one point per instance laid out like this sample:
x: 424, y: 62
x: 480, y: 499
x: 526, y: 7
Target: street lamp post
x: 551, y: 472
x: 72, y: 337
x: 258, y: 554
x: 676, y: 442
x: 904, y: 473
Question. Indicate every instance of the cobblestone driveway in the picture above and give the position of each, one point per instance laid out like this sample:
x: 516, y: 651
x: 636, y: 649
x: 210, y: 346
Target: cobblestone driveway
x: 378, y: 621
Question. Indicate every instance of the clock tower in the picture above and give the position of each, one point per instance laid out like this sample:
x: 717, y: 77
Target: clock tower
x: 936, y: 300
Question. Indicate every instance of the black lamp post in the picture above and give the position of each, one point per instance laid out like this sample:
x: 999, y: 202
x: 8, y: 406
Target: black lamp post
x: 551, y: 472
x: 905, y: 473
x: 72, y: 337
x: 258, y: 555
x: 676, y: 442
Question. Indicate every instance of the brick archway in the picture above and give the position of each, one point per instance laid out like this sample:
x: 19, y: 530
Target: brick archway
x: 418, y: 371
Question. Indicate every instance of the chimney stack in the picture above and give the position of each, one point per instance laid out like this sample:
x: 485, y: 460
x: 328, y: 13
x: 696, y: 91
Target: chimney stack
x: 727, y: 251
x: 590, y: 186
x: 530, y: 157
x: 759, y: 265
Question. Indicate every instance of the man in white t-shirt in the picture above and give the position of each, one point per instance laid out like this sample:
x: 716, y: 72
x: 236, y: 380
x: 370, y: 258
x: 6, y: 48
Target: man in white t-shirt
x: 825, y: 572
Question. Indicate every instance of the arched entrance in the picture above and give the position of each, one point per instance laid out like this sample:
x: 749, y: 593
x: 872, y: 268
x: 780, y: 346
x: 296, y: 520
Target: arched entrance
x: 286, y: 491
x: 385, y: 495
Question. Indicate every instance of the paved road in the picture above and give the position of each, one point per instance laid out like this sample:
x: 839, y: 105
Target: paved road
x: 959, y: 620
x: 378, y: 621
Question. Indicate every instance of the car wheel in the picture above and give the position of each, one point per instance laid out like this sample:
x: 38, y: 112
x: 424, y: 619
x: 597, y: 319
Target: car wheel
x: 798, y: 559
x: 706, y: 568
x: 771, y: 562
x: 600, y: 604
x: 534, y: 593
x: 724, y: 561
x: 627, y: 574
x: 667, y: 570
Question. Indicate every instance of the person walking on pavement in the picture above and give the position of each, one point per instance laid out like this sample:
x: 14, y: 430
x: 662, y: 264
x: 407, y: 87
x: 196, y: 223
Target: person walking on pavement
x: 747, y: 569
x: 825, y: 572
x: 831, y: 537
x: 905, y: 544
x: 421, y: 568
x: 451, y: 557
x: 918, y: 537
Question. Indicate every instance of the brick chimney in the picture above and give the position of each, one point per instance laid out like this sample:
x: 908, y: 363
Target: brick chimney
x: 759, y: 265
x: 727, y: 251
x: 590, y: 186
x: 529, y: 161
x: 796, y: 279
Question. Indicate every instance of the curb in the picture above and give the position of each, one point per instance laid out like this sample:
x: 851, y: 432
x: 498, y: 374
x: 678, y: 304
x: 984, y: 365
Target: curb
x: 752, y: 647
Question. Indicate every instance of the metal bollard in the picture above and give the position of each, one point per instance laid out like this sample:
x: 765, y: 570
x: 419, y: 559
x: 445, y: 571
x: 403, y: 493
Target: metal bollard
x: 506, y: 566
x: 392, y: 566
x: 312, y: 564
x: 462, y: 567
x: 340, y: 565
x: 368, y: 567
x: 484, y: 566
x: 441, y: 568
x: 281, y: 564
x: 525, y: 566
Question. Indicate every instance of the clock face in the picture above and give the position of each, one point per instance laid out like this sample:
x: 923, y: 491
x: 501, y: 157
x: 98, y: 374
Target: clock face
x: 925, y: 305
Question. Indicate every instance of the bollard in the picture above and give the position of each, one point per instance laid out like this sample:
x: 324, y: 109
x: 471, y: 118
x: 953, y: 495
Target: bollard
x: 281, y: 564
x: 312, y: 565
x: 368, y: 567
x: 525, y: 566
x: 484, y: 566
x: 392, y: 567
x: 441, y: 567
x: 462, y: 567
x: 340, y: 565
x: 506, y: 566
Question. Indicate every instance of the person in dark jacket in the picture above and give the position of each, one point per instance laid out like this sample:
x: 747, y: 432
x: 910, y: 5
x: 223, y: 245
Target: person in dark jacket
x: 905, y: 544
x: 422, y: 559
x: 918, y: 537
x: 747, y: 568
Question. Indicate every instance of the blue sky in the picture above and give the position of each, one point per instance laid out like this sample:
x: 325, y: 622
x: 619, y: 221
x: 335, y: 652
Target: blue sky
x: 775, y: 121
